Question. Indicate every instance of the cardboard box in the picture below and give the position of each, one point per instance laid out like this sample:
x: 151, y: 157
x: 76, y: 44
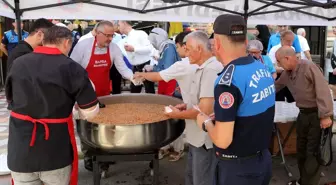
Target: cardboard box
x: 290, y: 147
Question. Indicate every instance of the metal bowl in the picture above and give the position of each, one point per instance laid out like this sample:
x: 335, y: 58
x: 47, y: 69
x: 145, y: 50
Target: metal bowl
x: 130, y: 139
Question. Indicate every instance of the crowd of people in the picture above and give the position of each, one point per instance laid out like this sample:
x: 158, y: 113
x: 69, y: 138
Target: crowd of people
x: 228, y: 86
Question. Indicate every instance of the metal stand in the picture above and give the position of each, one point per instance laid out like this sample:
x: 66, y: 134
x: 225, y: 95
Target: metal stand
x: 101, y: 158
x: 281, y: 147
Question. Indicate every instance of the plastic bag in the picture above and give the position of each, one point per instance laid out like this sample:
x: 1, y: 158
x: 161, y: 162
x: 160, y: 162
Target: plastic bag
x: 324, y: 153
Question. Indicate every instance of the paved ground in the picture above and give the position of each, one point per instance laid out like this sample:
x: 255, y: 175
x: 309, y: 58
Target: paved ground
x: 138, y: 173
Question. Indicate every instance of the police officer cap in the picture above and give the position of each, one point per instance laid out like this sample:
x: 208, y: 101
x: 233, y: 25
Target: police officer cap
x: 230, y: 25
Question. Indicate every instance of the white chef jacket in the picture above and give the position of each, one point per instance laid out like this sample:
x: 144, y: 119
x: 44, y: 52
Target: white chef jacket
x: 142, y: 47
x: 82, y: 54
x: 86, y: 36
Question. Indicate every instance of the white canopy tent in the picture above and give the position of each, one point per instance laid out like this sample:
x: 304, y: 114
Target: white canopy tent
x: 281, y: 12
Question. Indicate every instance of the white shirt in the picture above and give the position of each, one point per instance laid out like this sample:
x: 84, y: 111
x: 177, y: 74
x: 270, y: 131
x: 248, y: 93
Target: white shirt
x: 142, y: 47
x: 82, y: 54
x: 272, y: 52
x: 182, y: 72
x: 117, y: 37
x: 304, y: 46
x: 86, y: 36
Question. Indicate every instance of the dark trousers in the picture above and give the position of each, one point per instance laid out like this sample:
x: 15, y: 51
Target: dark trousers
x: 149, y: 86
x: 200, y: 166
x: 308, y: 138
x: 250, y: 171
x: 284, y: 94
x: 116, y: 78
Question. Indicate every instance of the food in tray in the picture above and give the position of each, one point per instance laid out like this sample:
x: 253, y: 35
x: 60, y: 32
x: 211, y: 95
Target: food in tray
x: 130, y: 113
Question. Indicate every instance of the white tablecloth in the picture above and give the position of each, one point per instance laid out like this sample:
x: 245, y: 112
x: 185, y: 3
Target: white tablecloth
x: 287, y: 112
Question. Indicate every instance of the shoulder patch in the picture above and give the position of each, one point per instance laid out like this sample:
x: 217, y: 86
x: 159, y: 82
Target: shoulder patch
x: 226, y: 100
x: 227, y: 76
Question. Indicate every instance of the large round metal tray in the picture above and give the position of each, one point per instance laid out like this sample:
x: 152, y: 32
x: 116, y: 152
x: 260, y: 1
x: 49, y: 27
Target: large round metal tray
x: 132, y: 138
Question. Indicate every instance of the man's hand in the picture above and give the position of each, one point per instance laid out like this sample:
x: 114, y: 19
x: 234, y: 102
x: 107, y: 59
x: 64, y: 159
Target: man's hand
x: 201, y: 118
x: 212, y: 116
x: 139, y: 76
x: 174, y: 113
x: 334, y: 71
x: 136, y: 81
x: 129, y: 48
x: 325, y: 122
x: 181, y: 107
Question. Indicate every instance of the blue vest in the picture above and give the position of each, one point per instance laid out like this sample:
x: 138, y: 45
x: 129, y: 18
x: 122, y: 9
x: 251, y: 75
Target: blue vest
x: 13, y: 39
x: 245, y: 94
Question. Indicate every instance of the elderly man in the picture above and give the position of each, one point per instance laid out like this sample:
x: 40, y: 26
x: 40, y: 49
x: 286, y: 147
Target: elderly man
x: 287, y: 38
x: 97, y: 55
x: 305, y: 80
x: 201, y: 159
x: 305, y: 49
x: 275, y: 39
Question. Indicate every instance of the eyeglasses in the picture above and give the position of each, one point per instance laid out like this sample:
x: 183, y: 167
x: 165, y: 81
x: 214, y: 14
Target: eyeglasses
x: 254, y: 52
x: 107, y: 35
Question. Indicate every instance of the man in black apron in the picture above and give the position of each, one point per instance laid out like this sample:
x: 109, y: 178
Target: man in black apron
x: 42, y: 88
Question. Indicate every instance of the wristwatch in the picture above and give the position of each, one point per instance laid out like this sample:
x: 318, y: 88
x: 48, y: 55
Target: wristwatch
x: 204, y: 124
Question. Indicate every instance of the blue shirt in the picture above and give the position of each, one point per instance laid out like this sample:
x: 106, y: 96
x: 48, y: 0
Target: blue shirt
x: 275, y: 39
x: 268, y: 63
x: 75, y: 38
x: 245, y: 94
x: 167, y: 58
x: 11, y: 39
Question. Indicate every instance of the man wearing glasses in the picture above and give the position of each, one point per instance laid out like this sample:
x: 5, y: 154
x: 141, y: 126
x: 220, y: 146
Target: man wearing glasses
x: 275, y: 39
x: 97, y: 55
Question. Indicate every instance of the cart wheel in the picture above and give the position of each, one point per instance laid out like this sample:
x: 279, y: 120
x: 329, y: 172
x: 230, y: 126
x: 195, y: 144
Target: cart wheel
x: 104, y: 174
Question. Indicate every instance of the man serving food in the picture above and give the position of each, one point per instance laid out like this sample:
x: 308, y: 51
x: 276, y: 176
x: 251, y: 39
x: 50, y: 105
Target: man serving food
x: 97, y: 55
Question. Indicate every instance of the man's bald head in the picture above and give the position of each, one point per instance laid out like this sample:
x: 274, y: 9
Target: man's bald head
x: 286, y: 57
x: 285, y: 51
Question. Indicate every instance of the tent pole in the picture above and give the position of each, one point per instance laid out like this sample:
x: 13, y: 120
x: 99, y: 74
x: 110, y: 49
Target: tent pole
x: 276, y: 11
x: 8, y: 4
x: 246, y: 7
x: 18, y: 18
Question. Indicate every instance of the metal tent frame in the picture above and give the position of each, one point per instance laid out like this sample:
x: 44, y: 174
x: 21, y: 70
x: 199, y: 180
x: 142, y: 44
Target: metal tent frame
x: 303, y: 4
x: 205, y: 3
